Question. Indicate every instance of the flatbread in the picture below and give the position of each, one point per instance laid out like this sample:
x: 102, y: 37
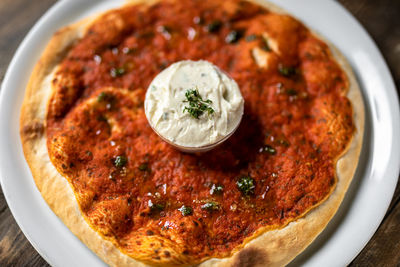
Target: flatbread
x: 273, y: 248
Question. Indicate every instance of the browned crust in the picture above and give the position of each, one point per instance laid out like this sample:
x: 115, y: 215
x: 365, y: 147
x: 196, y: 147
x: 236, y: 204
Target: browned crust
x: 272, y: 248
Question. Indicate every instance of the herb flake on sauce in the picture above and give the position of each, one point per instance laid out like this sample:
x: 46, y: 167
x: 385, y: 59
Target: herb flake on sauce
x: 233, y: 36
x: 117, y: 72
x: 287, y: 71
x: 214, y: 26
x: 186, y: 210
x: 246, y: 185
x: 120, y: 161
x: 210, y: 206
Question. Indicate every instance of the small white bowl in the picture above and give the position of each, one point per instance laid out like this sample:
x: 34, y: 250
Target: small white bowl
x: 200, y: 148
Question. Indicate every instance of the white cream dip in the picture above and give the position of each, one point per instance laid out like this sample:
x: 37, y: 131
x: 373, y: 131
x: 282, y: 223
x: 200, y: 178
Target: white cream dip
x: 165, y: 103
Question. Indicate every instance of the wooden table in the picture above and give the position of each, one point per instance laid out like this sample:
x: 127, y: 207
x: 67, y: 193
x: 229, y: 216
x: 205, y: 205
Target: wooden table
x: 380, y: 18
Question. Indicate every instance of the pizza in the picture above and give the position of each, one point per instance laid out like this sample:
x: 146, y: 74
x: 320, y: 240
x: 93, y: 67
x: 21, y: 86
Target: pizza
x: 258, y: 199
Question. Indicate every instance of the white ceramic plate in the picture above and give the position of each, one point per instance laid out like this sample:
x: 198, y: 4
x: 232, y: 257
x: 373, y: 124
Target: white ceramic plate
x: 348, y: 232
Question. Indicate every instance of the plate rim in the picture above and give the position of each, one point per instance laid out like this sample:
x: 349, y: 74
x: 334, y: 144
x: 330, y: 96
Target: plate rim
x: 391, y: 92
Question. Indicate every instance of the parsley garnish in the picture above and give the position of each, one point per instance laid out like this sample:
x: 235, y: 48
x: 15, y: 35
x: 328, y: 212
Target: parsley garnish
x: 270, y: 149
x: 117, y: 72
x: 155, y: 207
x: 216, y: 189
x: 210, y: 206
x: 197, y: 106
x: 291, y: 92
x: 144, y: 167
x: 120, y: 161
x: 233, y: 36
x: 265, y: 45
x: 246, y: 185
x: 214, y: 26
x: 186, y: 210
x: 287, y: 71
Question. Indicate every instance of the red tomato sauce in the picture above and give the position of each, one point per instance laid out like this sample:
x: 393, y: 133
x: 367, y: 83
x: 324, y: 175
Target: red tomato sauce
x: 131, y: 185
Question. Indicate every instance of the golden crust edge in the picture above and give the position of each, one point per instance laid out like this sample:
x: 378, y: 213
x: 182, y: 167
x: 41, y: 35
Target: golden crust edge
x: 53, y: 187
x: 275, y: 248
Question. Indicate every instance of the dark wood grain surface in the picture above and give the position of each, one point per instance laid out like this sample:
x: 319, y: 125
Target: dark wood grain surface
x: 380, y: 18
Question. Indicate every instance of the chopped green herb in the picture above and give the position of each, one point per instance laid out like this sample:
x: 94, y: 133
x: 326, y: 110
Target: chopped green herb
x: 251, y: 37
x: 197, y: 106
x: 265, y: 45
x: 270, y: 149
x: 165, y: 29
x: 246, y: 185
x: 155, y: 207
x: 210, y: 206
x: 291, y: 92
x: 214, y: 26
x: 107, y: 98
x: 216, y: 189
x: 186, y: 210
x: 144, y: 167
x: 286, y: 71
x: 101, y: 97
x: 233, y: 36
x: 120, y: 161
x: 117, y: 72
